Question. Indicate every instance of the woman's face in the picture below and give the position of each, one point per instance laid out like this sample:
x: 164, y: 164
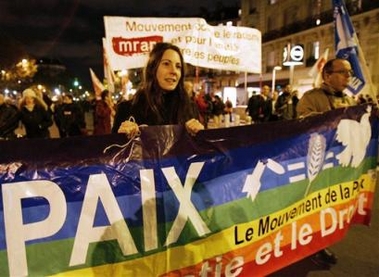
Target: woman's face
x: 169, y: 70
x: 29, y: 100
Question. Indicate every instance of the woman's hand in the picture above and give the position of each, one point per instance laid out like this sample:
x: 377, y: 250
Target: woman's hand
x: 130, y: 128
x: 193, y: 126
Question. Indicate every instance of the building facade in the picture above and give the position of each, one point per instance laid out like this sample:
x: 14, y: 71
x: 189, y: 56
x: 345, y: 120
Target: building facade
x: 309, y: 23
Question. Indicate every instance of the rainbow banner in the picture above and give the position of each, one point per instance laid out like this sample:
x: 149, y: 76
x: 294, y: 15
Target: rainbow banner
x: 238, y: 201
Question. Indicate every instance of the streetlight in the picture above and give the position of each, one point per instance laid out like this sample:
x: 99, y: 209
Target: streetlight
x: 293, y: 55
x: 273, y: 77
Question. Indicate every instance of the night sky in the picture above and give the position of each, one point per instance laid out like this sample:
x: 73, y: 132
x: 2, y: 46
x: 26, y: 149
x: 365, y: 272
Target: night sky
x: 72, y: 31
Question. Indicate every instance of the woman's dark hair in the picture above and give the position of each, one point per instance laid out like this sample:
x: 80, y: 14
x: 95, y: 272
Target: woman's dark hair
x: 104, y: 94
x: 153, y: 93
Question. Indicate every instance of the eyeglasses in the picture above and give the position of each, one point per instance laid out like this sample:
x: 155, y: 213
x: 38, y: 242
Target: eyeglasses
x: 343, y: 72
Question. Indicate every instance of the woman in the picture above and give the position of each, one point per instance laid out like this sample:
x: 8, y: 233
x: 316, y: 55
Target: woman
x: 34, y: 115
x: 103, y: 114
x: 162, y: 98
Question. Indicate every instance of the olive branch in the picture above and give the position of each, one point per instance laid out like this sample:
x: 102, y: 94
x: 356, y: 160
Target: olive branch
x: 315, y: 158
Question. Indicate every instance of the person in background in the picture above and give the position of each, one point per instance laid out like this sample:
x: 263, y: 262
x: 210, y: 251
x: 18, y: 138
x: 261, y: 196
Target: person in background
x: 188, y: 86
x: 228, y: 109
x: 44, y: 98
x: 69, y: 118
x: 336, y: 75
x: 266, y: 105
x: 361, y: 99
x: 162, y: 98
x: 274, y: 99
x: 204, y: 106
x: 9, y: 119
x: 103, y: 114
x: 262, y: 108
x: 285, y: 106
x: 253, y: 106
x: 35, y: 115
x: 57, y: 112
x: 259, y: 106
x: 218, y: 105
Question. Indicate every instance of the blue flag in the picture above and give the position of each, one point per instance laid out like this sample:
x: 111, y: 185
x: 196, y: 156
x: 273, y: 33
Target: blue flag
x: 347, y: 47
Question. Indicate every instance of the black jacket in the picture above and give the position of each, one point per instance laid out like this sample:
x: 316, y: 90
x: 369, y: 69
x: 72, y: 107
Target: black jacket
x: 36, y: 122
x: 139, y: 109
x: 9, y: 118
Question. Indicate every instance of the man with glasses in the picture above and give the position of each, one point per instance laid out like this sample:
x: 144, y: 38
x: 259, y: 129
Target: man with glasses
x: 336, y: 75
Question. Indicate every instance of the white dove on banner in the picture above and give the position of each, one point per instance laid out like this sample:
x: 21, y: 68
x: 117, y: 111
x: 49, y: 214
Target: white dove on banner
x: 355, y: 136
x: 253, y: 181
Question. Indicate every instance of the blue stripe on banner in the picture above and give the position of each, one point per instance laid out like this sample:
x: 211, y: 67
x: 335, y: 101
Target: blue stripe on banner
x: 209, y: 192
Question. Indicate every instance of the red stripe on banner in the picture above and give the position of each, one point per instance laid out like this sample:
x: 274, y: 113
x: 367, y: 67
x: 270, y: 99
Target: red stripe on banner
x: 290, y: 244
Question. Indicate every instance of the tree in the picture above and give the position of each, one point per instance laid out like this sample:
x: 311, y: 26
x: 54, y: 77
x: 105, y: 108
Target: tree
x: 19, y: 75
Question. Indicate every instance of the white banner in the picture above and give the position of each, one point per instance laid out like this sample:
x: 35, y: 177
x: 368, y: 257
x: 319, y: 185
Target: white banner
x: 130, y: 39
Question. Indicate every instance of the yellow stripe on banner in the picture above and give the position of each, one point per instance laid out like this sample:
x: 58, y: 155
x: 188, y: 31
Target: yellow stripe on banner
x: 335, y: 195
x: 341, y: 196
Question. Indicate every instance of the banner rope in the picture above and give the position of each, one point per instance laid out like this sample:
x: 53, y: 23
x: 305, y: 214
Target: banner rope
x: 130, y: 141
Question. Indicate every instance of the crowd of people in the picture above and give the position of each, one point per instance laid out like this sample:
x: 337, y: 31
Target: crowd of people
x: 274, y: 106
x: 166, y: 98
x: 287, y: 105
x: 34, y: 114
